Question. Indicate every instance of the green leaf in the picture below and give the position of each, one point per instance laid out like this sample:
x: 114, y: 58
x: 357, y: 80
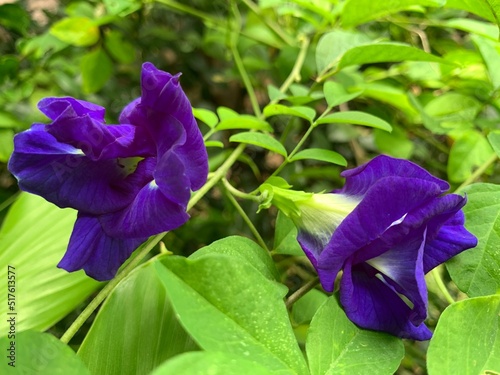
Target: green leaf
x: 336, y: 94
x: 122, y: 7
x: 390, y: 95
x: 490, y: 51
x: 14, y: 17
x: 477, y: 271
x: 214, y: 144
x: 481, y: 7
x: 242, y: 249
x: 97, y: 68
x: 231, y: 307
x: 285, y: 237
x: 207, y: 116
x: 262, y: 140
x: 494, y: 6
x: 395, y: 144
x: 119, y: 48
x: 135, y: 329
x: 451, y: 111
x: 274, y: 93
x: 33, y: 239
x: 244, y: 122
x: 41, y: 354
x: 77, y: 31
x: 226, y: 113
x: 6, y: 144
x: 356, y: 12
x: 494, y: 139
x: 336, y: 346
x: 306, y: 113
x: 467, y: 338
x: 386, y: 52
x: 332, y: 45
x: 306, y: 307
x: 356, y: 118
x: 8, y: 120
x: 213, y: 363
x: 473, y: 26
x: 320, y: 154
x: 470, y: 150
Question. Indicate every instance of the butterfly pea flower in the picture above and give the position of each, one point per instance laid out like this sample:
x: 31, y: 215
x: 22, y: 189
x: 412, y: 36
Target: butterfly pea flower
x: 385, y: 229
x: 128, y: 181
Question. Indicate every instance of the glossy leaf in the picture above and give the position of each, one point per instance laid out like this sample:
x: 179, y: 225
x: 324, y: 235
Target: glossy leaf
x: 467, y: 338
x: 77, y: 31
x: 469, y: 151
x: 285, y: 237
x: 278, y: 109
x: 41, y: 354
x: 97, y: 68
x: 386, y: 52
x: 41, y: 230
x: 238, y: 311
x: 320, y: 154
x: 258, y: 139
x: 355, y: 118
x: 356, y: 12
x: 336, y: 346
x: 213, y: 363
x: 242, y: 249
x: 477, y: 271
x: 135, y: 329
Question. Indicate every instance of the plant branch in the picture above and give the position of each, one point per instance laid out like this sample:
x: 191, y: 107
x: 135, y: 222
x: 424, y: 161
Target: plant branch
x: 298, y: 294
x: 478, y: 172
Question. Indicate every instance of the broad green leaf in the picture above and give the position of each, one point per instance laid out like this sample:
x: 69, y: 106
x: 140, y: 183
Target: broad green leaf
x: 386, y: 52
x: 450, y: 111
x: 355, y: 118
x: 33, y: 239
x: 490, y: 51
x: 477, y: 271
x: 390, y: 95
x: 306, y: 307
x: 218, y: 144
x: 332, y: 45
x: 213, y: 363
x: 494, y: 6
x: 6, y: 144
x: 285, y: 237
x: 467, y: 339
x: 470, y: 150
x: 306, y: 113
x: 242, y: 249
x: 96, y: 68
x: 122, y: 7
x: 244, y: 122
x: 207, y: 116
x: 320, y: 154
x: 494, y: 139
x: 473, y: 26
x: 39, y: 353
x: 479, y: 7
x: 336, y: 94
x: 77, y: 31
x: 395, y: 143
x: 356, y: 12
x: 230, y: 307
x: 336, y: 346
x: 262, y: 140
x: 226, y: 113
x: 135, y: 329
x: 118, y: 47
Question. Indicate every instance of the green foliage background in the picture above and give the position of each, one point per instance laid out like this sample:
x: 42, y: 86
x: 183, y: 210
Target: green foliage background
x: 310, y: 87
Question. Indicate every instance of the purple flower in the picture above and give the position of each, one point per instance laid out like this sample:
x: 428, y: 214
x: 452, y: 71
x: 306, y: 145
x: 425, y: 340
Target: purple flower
x: 385, y: 229
x: 127, y: 181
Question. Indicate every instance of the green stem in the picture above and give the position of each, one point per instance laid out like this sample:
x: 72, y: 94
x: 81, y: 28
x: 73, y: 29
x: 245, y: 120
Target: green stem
x: 478, y: 172
x: 80, y: 320
x: 247, y: 220
x: 189, y: 10
x: 440, y: 284
x: 238, y: 193
x: 6, y: 203
x: 298, y: 294
x: 272, y: 25
x: 294, y: 75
